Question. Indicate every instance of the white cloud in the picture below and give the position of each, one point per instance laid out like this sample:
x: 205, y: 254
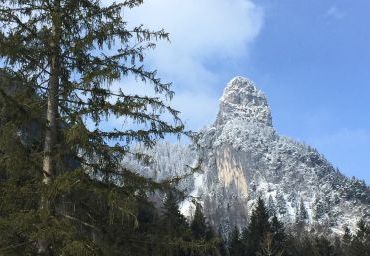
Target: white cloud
x: 202, y: 32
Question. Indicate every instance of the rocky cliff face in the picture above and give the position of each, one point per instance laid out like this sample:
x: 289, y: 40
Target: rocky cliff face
x: 242, y: 158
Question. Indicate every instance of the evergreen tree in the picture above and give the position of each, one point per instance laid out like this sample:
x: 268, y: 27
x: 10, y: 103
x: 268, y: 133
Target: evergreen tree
x: 279, y: 236
x: 198, y: 225
x: 363, y: 231
x: 271, y: 206
x: 66, y: 55
x: 174, y: 222
x: 324, y: 247
x: 303, y: 215
x: 63, y: 50
x: 234, y: 244
x: 281, y: 204
x: 302, y: 246
x: 244, y: 237
x: 320, y: 209
x: 268, y: 248
x: 346, y: 241
x: 19, y: 161
x: 338, y: 247
x: 179, y: 237
x: 258, y: 228
x: 360, y: 244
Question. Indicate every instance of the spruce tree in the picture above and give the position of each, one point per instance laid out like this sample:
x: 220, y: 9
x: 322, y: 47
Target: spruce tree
x: 244, y: 237
x: 319, y: 209
x: 180, y: 238
x: 235, y: 247
x: 338, y: 247
x: 175, y: 223
x: 69, y: 56
x: 271, y: 206
x: 281, y: 203
x: 303, y: 215
x: 203, y: 233
x: 70, y: 53
x: 279, y: 236
x: 258, y: 228
x: 267, y: 247
x: 198, y: 225
x: 19, y: 161
x: 324, y: 247
x: 346, y: 241
x: 360, y: 244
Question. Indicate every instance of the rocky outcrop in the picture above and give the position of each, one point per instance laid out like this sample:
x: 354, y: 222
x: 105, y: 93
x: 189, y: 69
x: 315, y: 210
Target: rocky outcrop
x: 242, y: 158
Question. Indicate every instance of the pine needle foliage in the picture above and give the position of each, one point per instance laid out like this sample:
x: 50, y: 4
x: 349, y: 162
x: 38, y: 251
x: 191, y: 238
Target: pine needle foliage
x: 63, y: 190
x: 199, y: 225
x: 87, y: 215
x: 95, y: 48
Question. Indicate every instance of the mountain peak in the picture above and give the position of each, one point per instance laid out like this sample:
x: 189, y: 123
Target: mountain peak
x: 243, y: 158
x: 242, y: 99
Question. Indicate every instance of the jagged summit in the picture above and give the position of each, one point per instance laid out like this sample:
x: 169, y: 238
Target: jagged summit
x: 243, y: 100
x: 243, y: 158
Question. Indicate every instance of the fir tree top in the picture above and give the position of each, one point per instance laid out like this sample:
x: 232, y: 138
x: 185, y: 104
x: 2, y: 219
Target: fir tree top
x: 93, y: 48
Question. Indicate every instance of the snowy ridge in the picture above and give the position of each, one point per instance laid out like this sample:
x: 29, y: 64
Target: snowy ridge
x: 242, y: 157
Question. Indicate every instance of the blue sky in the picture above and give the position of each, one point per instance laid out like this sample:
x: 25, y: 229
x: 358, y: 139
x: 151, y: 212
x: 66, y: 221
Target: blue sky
x: 311, y: 58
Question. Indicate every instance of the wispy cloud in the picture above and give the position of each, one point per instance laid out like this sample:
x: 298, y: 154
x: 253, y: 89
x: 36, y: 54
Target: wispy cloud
x: 202, y: 33
x: 335, y: 12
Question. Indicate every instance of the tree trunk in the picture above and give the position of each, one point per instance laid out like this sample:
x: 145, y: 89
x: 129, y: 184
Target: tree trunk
x: 52, y: 123
x: 50, y: 142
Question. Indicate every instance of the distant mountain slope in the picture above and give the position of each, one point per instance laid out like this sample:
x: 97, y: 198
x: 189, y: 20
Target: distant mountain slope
x: 242, y: 158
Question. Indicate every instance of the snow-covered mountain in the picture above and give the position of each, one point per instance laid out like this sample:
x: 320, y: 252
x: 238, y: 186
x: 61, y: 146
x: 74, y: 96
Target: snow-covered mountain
x: 242, y: 157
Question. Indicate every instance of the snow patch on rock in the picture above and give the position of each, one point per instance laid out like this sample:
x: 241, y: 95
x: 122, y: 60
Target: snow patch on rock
x: 243, y: 158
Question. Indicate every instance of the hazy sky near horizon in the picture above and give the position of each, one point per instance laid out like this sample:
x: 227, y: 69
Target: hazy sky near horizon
x: 311, y: 58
